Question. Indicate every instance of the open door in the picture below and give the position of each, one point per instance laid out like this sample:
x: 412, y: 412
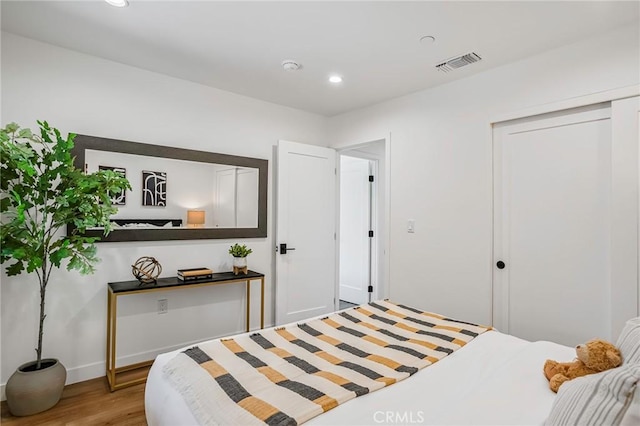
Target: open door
x: 305, y: 231
x: 356, y: 229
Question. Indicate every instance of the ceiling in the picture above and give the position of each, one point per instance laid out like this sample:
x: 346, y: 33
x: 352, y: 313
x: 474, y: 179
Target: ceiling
x: 239, y: 46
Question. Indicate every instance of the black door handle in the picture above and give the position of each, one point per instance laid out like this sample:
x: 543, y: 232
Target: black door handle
x: 284, y: 249
x: 500, y: 264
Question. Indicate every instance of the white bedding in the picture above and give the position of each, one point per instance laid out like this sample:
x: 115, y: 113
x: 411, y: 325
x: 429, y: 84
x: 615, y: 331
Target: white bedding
x: 495, y: 379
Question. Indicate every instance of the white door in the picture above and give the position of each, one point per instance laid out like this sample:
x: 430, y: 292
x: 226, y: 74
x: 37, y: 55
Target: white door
x: 355, y: 224
x: 552, y: 226
x: 305, y: 222
x: 224, y: 213
x: 246, y: 198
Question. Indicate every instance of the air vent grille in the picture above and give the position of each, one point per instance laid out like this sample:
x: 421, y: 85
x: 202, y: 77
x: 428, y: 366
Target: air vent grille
x: 458, y: 62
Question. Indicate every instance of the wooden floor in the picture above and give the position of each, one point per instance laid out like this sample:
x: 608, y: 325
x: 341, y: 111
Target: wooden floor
x: 345, y: 305
x: 89, y: 403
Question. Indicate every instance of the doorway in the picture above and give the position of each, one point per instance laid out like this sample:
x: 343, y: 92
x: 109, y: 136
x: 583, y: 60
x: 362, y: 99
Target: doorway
x: 361, y: 257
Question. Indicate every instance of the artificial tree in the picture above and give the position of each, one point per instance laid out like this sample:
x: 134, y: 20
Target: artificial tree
x: 41, y: 191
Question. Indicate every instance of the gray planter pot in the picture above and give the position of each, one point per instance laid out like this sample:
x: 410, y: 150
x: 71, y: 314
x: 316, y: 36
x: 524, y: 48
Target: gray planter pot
x: 31, y: 391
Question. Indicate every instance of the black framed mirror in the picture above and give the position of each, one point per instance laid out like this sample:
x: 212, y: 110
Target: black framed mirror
x: 178, y: 193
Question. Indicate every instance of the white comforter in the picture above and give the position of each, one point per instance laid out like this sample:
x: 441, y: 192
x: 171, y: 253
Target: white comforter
x: 495, y: 379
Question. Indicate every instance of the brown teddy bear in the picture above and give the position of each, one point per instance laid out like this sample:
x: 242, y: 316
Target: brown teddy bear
x: 593, y: 357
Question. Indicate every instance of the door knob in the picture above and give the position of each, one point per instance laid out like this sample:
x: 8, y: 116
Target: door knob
x: 284, y: 249
x: 500, y: 264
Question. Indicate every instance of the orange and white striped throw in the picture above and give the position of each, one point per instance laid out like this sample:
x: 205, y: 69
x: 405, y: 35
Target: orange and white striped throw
x: 288, y: 375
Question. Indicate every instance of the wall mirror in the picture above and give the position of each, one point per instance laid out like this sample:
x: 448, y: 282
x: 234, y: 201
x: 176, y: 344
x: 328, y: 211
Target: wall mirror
x: 177, y: 193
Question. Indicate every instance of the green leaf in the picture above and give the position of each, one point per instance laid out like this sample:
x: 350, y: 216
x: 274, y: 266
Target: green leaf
x: 5, y: 204
x: 35, y: 262
x: 57, y: 256
x: 25, y: 133
x: 15, y: 268
x: 11, y: 128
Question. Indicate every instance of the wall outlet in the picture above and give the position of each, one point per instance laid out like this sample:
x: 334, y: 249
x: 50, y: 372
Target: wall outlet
x: 163, y: 306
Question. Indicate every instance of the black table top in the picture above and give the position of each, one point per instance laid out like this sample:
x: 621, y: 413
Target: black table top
x: 135, y: 285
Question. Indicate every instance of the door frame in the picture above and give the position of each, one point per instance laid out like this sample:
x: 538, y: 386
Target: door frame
x: 622, y: 100
x: 382, y: 289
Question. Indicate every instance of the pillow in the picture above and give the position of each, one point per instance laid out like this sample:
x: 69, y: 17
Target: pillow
x: 632, y: 416
x: 596, y: 399
x: 629, y: 342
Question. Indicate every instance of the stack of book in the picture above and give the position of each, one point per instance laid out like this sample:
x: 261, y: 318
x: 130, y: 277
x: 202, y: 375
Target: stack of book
x: 194, y: 274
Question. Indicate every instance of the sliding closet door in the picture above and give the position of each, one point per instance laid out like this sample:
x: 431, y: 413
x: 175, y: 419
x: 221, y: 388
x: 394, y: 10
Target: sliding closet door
x: 554, y: 234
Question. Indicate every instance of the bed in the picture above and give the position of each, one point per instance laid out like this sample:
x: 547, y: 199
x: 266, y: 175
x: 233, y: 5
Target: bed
x: 489, y: 378
x: 146, y: 223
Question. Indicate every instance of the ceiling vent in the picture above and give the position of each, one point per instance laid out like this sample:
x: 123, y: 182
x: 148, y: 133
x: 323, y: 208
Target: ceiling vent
x: 458, y: 62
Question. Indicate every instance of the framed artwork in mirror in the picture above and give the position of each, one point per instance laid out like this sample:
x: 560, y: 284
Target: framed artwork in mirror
x: 154, y: 188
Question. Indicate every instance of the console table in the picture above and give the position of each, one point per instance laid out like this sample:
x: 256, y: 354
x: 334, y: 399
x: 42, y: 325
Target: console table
x: 124, y: 288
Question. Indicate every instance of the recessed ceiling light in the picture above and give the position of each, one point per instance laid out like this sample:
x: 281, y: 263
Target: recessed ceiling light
x: 118, y: 3
x: 427, y: 39
x: 335, y: 79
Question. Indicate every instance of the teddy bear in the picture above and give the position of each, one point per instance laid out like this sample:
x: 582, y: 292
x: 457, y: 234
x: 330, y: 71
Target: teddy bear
x: 593, y: 357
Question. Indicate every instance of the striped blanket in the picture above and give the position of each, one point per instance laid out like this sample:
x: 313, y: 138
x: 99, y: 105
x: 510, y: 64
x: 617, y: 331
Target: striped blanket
x: 288, y: 375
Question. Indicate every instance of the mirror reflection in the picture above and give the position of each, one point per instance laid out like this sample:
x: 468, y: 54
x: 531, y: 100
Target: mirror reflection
x: 168, y: 193
x: 178, y: 193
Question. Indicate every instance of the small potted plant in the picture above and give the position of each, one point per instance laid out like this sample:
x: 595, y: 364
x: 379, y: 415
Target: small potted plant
x: 239, y: 253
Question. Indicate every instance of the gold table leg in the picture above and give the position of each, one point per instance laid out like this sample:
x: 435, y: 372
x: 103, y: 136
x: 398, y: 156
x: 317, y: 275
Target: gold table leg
x: 262, y: 303
x: 248, y: 301
x: 112, y: 303
x: 108, y: 346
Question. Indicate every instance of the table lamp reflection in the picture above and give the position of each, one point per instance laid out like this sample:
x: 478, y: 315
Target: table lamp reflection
x: 195, y: 218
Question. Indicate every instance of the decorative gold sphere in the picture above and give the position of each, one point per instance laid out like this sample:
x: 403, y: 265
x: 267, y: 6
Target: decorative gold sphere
x: 146, y: 269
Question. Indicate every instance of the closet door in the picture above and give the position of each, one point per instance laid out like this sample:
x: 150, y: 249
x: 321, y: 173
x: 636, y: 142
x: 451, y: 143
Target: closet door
x: 556, y: 196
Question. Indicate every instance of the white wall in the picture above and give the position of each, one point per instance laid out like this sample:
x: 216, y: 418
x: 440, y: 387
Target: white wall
x: 441, y: 164
x: 87, y: 95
